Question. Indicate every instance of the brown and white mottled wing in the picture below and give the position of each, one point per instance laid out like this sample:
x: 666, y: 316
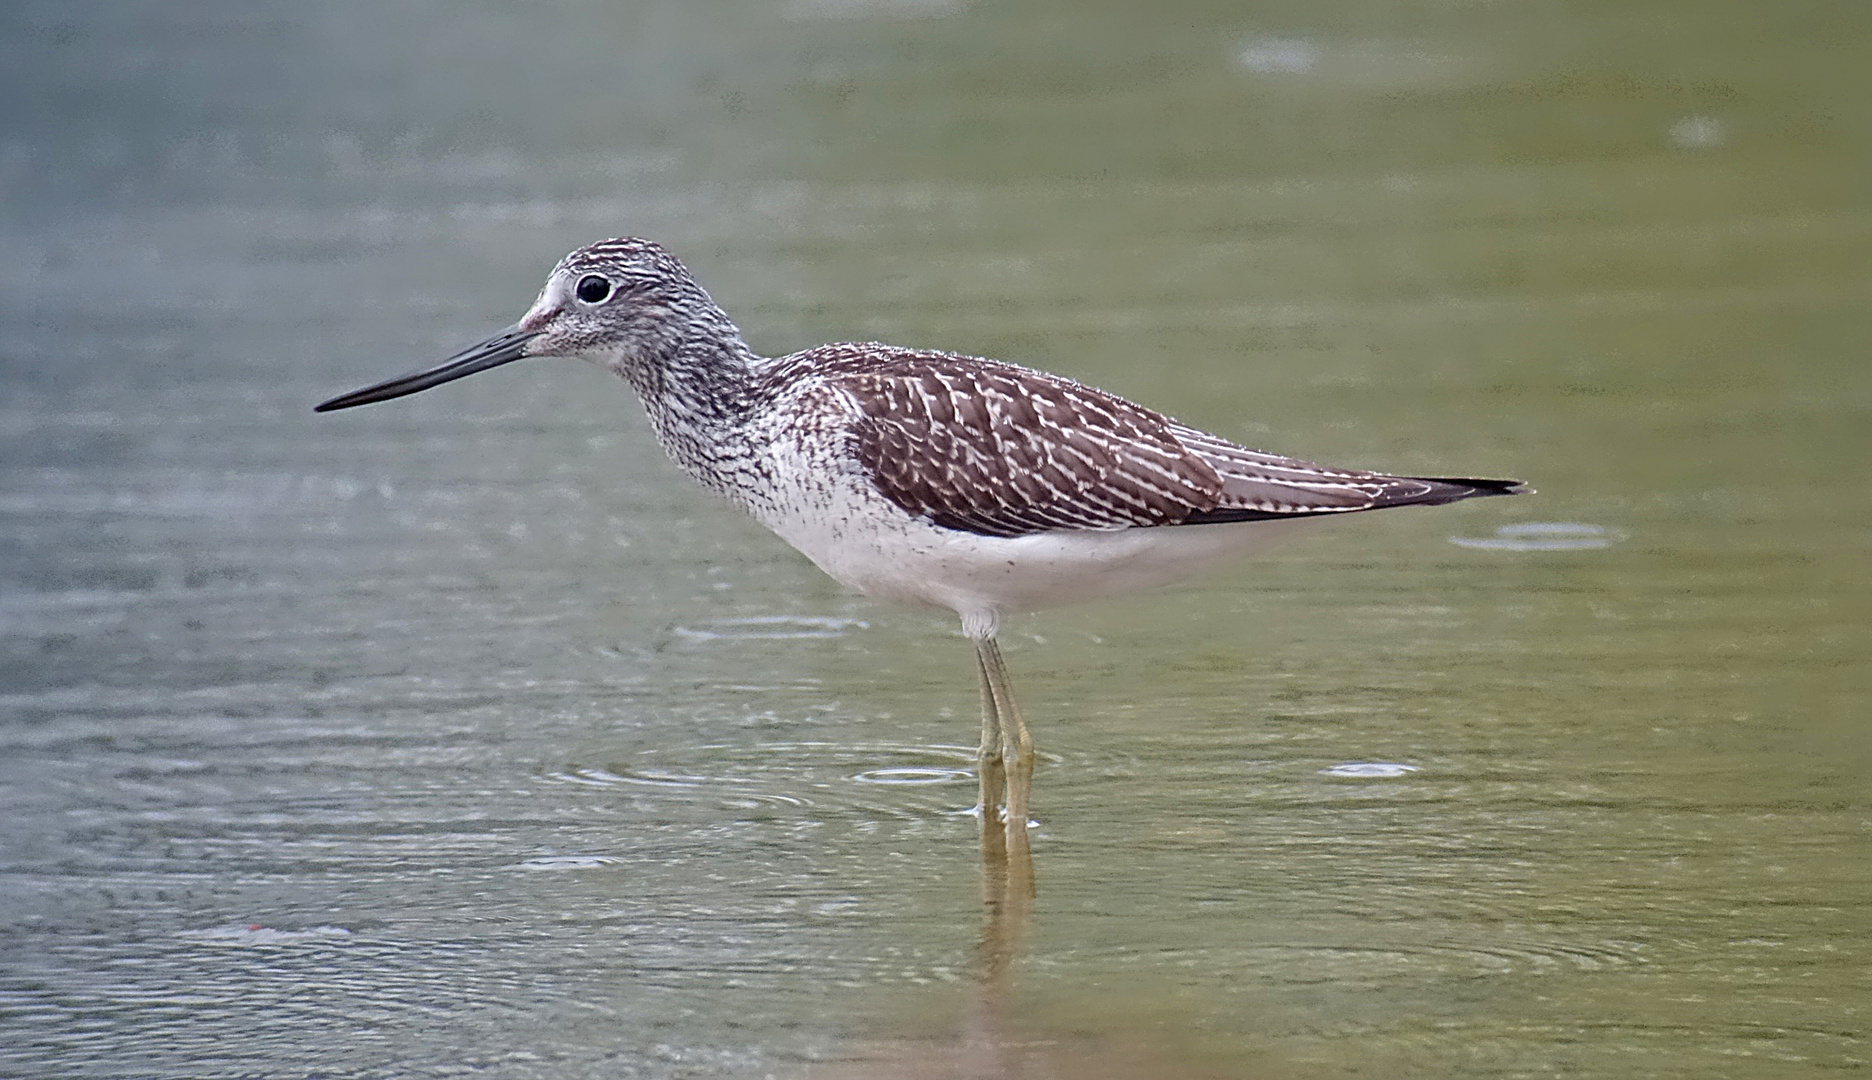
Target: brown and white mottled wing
x: 1003, y: 451
x: 1000, y: 450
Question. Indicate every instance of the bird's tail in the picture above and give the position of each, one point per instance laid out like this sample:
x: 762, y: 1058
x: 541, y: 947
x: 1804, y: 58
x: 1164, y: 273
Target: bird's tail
x: 1449, y: 489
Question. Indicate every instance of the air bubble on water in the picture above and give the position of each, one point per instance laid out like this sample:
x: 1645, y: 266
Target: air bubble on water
x: 1280, y: 56
x: 1698, y: 133
x: 1369, y: 770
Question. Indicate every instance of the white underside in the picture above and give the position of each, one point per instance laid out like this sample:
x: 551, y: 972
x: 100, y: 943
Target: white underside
x: 982, y: 578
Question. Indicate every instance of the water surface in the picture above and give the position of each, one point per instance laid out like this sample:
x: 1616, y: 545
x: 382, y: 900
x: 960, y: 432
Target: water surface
x: 460, y: 734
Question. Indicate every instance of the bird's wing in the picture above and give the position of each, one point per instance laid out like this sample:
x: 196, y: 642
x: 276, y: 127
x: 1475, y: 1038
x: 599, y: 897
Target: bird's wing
x: 1000, y: 450
x: 1003, y: 451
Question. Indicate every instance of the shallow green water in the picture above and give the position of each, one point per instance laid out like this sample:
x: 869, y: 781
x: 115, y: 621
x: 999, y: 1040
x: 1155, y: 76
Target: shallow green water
x: 459, y: 734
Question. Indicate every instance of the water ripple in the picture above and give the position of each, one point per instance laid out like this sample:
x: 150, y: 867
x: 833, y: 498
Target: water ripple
x: 1543, y: 536
x: 1369, y: 770
x: 821, y: 778
x: 568, y: 862
x: 1324, y: 962
x: 254, y: 934
x: 914, y: 775
x: 769, y: 628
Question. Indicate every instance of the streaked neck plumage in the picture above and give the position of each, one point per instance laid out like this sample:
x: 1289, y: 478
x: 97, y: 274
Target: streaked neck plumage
x: 696, y: 378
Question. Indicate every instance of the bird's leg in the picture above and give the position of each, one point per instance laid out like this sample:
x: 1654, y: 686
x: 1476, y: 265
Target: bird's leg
x: 990, y: 765
x: 1017, y: 747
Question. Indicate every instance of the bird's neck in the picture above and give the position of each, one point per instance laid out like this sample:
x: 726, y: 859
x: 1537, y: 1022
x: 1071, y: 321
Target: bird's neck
x: 698, y: 388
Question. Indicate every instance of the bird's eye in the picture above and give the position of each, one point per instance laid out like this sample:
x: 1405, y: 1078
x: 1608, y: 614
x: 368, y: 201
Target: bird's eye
x: 593, y: 289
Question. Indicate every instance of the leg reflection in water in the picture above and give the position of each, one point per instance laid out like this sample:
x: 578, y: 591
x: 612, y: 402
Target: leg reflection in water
x: 1007, y: 904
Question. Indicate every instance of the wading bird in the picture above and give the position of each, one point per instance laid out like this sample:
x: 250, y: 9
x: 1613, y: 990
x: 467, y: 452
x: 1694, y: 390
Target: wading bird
x: 909, y: 475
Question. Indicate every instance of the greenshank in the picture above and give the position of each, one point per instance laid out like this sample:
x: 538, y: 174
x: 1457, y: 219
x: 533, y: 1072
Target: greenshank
x: 911, y: 475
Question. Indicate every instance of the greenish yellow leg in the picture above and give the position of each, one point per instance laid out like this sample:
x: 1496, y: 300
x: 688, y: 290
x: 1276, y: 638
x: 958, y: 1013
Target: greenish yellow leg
x: 1016, y: 749
x: 990, y: 765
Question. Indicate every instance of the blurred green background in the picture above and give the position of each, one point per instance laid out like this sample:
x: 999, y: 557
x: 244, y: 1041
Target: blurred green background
x: 460, y: 734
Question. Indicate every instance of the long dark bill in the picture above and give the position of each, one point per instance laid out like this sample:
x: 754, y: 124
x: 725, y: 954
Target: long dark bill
x: 503, y: 348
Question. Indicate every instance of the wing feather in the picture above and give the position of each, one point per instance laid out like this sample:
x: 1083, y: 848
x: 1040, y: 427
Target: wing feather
x: 1004, y: 451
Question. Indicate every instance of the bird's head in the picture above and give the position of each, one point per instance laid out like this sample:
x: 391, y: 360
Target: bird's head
x: 625, y: 304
